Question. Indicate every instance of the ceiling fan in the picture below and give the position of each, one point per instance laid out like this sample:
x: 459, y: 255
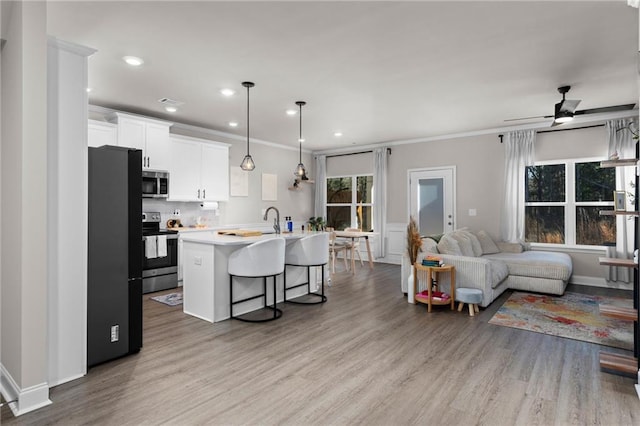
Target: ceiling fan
x: 565, y: 110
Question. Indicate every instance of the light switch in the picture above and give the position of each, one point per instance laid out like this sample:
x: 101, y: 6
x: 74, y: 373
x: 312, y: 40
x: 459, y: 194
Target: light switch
x: 197, y: 260
x: 472, y: 212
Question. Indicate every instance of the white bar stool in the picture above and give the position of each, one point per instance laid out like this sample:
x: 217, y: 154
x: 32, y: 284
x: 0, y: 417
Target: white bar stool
x: 308, y: 252
x: 258, y: 260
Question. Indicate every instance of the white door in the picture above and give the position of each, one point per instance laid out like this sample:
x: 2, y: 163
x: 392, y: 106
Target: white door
x: 432, y: 199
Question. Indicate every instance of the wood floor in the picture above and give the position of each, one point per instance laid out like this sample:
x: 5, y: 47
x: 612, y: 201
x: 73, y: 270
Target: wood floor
x: 364, y: 357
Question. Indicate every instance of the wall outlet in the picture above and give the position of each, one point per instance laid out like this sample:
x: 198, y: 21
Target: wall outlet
x: 472, y: 212
x: 176, y: 212
x: 115, y: 333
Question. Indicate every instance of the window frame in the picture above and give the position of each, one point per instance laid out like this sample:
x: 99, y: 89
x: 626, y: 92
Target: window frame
x: 570, y: 204
x: 354, y: 197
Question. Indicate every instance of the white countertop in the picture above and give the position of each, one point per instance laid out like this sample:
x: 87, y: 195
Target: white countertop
x: 212, y: 238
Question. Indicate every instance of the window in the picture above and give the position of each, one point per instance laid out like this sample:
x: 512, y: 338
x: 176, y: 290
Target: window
x: 350, y: 202
x: 563, y: 200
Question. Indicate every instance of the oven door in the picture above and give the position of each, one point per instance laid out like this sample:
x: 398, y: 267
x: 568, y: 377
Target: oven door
x: 161, y: 265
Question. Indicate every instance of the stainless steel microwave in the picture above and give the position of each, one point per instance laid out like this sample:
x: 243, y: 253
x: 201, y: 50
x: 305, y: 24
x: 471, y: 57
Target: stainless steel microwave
x: 155, y: 184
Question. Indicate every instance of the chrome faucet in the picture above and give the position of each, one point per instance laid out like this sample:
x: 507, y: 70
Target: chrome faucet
x: 276, y: 221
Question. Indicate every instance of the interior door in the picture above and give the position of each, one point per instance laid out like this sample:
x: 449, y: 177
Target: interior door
x: 432, y: 199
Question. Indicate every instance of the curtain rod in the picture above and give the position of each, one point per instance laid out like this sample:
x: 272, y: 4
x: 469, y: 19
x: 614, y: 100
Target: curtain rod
x: 356, y: 153
x: 560, y: 130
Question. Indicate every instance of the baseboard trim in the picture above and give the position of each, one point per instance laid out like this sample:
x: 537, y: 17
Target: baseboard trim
x: 28, y: 399
x: 599, y: 282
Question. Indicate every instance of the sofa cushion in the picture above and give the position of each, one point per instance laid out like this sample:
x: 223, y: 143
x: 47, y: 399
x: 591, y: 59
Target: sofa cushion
x: 448, y: 245
x: 487, y: 244
x: 537, y: 264
x: 499, y: 271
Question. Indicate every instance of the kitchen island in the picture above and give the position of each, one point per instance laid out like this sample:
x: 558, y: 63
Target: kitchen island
x: 206, y: 277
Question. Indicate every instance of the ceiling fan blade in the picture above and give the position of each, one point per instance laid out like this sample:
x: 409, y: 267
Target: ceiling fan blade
x: 567, y: 105
x: 529, y: 118
x: 613, y: 108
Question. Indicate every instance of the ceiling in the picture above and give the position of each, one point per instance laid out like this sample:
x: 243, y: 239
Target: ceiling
x: 375, y: 71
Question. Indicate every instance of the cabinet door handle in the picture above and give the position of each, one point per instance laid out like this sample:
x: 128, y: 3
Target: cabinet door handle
x: 148, y: 161
x: 198, y: 193
x: 204, y: 191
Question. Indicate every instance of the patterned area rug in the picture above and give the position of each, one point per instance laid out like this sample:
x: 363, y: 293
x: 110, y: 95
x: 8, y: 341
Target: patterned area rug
x: 171, y: 299
x: 574, y: 316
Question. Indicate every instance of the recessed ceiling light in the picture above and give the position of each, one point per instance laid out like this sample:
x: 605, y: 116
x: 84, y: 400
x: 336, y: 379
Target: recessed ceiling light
x: 301, y: 140
x: 89, y: 89
x: 337, y: 134
x: 291, y: 112
x: 233, y: 123
x: 170, y: 109
x: 228, y: 92
x: 134, y: 61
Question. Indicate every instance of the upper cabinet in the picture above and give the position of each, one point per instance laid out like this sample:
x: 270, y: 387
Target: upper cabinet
x: 102, y: 133
x: 149, y: 135
x: 199, y: 170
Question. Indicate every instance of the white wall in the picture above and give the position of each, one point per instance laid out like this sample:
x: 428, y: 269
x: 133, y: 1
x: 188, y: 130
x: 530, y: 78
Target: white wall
x: 24, y: 203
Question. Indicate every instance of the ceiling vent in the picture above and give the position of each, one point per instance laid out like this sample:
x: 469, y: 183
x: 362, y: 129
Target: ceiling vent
x: 170, y: 102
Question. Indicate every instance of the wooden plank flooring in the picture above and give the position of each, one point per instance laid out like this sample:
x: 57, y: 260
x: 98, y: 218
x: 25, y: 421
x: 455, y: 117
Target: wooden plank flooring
x: 364, y: 357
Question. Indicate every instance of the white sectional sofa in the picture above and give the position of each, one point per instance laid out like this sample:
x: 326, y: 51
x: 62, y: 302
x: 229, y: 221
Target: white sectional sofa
x: 481, y: 263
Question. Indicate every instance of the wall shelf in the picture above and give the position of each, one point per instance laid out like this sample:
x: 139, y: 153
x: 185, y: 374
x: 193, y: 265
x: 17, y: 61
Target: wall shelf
x: 619, y: 163
x: 619, y: 312
x: 618, y: 212
x: 612, y: 261
x: 621, y: 363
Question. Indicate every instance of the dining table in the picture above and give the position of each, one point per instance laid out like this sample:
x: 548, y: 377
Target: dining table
x: 353, y: 235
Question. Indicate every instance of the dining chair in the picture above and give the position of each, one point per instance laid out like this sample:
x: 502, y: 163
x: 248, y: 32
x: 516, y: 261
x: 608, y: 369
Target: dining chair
x: 336, y: 247
x: 353, y: 245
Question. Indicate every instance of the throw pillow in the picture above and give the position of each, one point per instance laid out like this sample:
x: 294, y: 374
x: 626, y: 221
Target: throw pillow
x: 487, y: 244
x: 448, y: 245
x: 464, y: 242
x: 475, y: 243
x: 429, y: 245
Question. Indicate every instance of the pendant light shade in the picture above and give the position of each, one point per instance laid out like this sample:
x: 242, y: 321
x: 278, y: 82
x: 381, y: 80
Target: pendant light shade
x: 300, y: 172
x: 247, y: 162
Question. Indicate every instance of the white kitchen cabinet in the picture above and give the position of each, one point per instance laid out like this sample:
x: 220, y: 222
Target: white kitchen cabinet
x: 199, y: 170
x: 214, y: 176
x: 102, y: 133
x: 151, y: 136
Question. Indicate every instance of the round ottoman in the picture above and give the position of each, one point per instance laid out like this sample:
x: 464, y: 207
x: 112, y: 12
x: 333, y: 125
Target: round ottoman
x: 471, y: 296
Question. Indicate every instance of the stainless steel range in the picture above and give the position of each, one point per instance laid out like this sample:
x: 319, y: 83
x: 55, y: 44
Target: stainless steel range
x: 159, y: 255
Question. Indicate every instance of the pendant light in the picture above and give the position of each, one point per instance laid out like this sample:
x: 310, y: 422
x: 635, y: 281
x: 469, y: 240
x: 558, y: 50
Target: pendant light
x: 300, y: 172
x: 247, y: 162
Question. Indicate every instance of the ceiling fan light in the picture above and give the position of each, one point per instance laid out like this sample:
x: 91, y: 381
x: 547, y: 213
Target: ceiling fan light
x: 563, y: 117
x: 247, y: 163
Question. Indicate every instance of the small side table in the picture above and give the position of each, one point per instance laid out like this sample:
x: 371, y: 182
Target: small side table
x: 426, y: 274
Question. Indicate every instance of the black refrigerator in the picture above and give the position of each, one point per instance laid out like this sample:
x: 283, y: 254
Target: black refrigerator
x: 114, y: 293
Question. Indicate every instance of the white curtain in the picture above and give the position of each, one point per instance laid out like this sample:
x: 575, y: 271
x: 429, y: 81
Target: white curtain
x: 320, y: 206
x: 380, y: 198
x: 621, y: 142
x: 518, y: 155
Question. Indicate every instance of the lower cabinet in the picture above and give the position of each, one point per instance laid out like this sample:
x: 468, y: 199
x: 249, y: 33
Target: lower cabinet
x: 199, y: 170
